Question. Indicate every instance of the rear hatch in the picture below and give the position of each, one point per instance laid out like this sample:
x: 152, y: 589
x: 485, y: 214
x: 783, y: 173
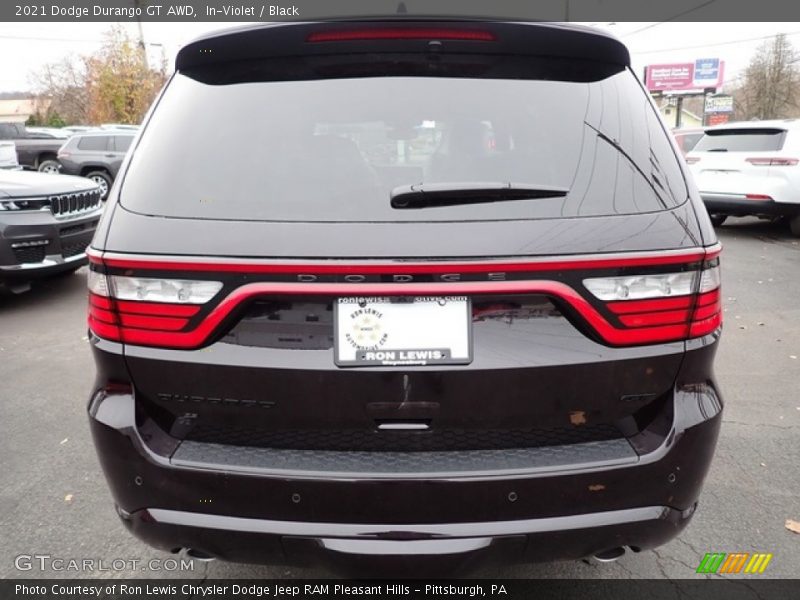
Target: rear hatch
x: 393, y: 245
x: 741, y: 161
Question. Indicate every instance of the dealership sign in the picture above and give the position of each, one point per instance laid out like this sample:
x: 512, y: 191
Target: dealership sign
x: 719, y: 104
x: 700, y: 75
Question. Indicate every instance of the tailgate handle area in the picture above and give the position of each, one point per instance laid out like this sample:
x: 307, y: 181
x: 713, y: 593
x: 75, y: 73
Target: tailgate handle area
x: 402, y: 411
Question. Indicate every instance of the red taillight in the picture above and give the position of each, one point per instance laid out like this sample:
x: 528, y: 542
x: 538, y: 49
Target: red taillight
x: 144, y: 309
x: 757, y: 197
x: 402, y: 33
x: 651, y: 298
x: 707, y: 314
x: 660, y: 314
x: 763, y: 161
x: 122, y: 320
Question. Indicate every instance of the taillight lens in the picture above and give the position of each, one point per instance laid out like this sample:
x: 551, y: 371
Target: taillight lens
x: 663, y: 307
x: 178, y: 291
x: 135, y: 309
x: 765, y: 161
x: 638, y: 287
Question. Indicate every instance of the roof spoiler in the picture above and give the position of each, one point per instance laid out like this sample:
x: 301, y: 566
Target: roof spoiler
x: 337, y: 37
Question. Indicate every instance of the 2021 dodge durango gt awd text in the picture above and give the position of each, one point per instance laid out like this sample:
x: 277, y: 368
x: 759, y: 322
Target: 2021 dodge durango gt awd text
x: 453, y: 298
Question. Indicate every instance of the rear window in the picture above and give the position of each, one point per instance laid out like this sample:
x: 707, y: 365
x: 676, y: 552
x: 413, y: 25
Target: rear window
x: 687, y: 141
x: 122, y: 142
x: 94, y: 142
x: 10, y: 131
x: 742, y: 140
x: 261, y: 147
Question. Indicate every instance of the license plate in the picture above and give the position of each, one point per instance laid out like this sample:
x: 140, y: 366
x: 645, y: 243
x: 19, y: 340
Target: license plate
x: 404, y: 331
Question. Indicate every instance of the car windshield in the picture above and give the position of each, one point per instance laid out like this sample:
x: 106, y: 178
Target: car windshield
x: 334, y: 149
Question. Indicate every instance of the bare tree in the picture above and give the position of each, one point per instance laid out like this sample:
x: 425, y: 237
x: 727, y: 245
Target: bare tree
x: 114, y: 84
x: 770, y: 88
x: 64, y: 82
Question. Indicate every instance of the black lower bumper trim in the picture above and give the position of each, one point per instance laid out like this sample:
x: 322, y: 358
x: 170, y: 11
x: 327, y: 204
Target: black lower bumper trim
x: 454, y: 545
x: 270, y: 461
x: 741, y: 206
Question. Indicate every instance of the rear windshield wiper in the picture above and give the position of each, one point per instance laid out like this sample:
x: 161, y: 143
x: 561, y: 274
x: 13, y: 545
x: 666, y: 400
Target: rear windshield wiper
x: 423, y: 195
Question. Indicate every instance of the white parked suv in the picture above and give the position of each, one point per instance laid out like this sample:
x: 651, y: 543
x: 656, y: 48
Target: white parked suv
x: 750, y: 168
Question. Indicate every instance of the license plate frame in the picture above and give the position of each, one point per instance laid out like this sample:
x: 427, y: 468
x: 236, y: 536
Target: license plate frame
x: 352, y: 315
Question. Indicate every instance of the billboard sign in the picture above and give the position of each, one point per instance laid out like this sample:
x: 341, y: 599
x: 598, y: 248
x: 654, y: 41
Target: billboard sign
x: 719, y: 104
x: 699, y: 75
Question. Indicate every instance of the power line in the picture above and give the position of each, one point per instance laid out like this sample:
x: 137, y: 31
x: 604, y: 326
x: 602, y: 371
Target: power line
x: 672, y: 18
x: 50, y: 39
x: 728, y: 43
x: 57, y: 39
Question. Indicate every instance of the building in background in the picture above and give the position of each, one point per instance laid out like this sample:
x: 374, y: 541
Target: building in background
x: 669, y: 112
x: 16, y: 108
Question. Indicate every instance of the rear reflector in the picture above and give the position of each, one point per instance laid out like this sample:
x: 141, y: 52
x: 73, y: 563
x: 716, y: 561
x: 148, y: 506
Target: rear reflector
x: 772, y: 162
x: 402, y: 33
x: 758, y: 197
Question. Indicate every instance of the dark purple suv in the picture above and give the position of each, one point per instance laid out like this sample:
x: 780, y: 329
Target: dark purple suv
x: 414, y: 290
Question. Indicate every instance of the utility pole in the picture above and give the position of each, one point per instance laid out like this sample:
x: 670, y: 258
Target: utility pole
x: 139, y: 4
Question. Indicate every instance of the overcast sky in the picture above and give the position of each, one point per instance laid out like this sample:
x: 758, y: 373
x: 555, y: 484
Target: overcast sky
x: 25, y: 47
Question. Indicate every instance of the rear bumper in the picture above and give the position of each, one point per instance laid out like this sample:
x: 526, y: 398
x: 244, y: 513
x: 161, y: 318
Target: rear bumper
x: 251, y: 505
x: 449, y: 544
x: 739, y: 205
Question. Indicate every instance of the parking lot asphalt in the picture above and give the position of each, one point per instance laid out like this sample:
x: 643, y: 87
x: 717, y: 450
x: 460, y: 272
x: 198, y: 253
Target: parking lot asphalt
x: 54, y: 500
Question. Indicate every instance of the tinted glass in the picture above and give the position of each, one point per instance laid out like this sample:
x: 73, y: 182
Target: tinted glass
x: 122, y: 142
x: 742, y: 140
x: 687, y: 141
x: 333, y: 149
x: 10, y: 131
x: 94, y: 142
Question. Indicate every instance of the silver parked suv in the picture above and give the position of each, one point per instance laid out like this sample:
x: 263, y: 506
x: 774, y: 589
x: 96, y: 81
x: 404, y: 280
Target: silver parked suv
x: 96, y: 155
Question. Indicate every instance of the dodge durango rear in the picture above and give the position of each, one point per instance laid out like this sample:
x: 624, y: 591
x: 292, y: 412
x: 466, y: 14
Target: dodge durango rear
x: 417, y: 290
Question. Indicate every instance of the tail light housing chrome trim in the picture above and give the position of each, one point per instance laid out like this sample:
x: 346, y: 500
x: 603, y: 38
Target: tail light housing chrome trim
x: 653, y: 314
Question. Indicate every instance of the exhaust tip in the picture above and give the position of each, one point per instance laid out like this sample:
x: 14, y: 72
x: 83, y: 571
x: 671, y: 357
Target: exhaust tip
x: 611, y: 555
x: 196, y: 555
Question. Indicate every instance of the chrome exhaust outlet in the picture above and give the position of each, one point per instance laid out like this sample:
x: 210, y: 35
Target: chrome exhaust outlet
x: 611, y: 555
x: 193, y: 554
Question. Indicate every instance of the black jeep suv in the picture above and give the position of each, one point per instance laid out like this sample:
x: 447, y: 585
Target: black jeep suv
x: 453, y: 296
